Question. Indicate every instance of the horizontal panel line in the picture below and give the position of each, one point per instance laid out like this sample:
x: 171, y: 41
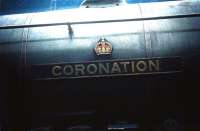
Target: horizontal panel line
x: 97, y: 76
x: 103, y: 21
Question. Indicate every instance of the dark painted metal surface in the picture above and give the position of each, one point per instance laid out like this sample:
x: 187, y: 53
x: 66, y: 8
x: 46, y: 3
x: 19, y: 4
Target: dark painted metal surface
x: 151, y: 30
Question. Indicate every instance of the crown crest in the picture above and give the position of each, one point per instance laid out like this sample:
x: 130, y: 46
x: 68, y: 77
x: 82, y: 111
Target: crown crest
x: 103, y: 47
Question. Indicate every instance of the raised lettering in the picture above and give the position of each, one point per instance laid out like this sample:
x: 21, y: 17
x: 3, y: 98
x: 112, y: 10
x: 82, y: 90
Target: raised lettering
x: 154, y: 65
x: 56, y: 71
x: 115, y: 68
x: 68, y: 70
x: 133, y: 66
x: 104, y: 68
x: 79, y: 69
x: 125, y: 65
x: 141, y: 66
x: 92, y: 69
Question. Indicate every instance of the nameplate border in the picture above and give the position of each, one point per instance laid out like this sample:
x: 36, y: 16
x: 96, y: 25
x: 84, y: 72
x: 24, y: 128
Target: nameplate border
x: 44, y: 72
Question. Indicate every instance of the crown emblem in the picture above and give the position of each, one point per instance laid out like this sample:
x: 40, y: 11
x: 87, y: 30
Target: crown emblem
x: 103, y: 47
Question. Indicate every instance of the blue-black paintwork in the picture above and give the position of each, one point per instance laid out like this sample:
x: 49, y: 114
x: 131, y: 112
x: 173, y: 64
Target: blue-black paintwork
x: 146, y: 99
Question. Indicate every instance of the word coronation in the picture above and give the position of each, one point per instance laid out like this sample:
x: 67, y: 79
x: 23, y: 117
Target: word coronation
x: 106, y: 68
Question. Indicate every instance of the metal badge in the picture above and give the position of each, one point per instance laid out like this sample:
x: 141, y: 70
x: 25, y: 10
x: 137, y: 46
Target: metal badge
x: 103, y: 47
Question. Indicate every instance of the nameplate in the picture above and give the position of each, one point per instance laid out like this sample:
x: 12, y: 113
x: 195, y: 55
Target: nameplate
x: 107, y: 68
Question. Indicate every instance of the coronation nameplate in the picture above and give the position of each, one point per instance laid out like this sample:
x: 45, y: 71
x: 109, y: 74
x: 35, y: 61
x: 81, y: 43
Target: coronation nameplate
x: 107, y: 68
